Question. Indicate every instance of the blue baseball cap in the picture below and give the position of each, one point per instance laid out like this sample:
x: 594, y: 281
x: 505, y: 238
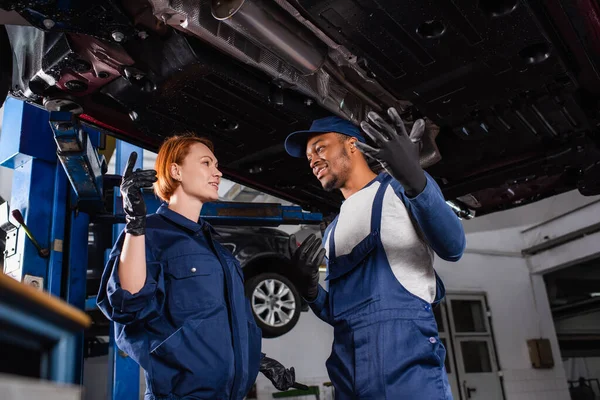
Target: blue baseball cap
x: 295, y: 143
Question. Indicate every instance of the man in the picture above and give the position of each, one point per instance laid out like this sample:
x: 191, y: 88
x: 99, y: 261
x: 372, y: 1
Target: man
x: 379, y: 253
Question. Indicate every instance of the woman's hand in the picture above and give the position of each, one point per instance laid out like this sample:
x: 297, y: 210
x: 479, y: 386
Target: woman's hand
x: 281, y: 377
x: 133, y: 200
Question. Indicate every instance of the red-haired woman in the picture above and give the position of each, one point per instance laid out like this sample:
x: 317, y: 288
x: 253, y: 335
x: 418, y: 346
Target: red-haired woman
x: 176, y: 295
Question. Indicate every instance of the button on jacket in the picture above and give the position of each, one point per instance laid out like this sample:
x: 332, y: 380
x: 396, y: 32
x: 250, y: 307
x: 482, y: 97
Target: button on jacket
x: 190, y: 327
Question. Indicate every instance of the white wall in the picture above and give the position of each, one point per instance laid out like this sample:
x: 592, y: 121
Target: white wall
x: 516, y: 291
x: 530, y: 214
x: 571, y: 253
x: 505, y: 241
x: 518, y: 314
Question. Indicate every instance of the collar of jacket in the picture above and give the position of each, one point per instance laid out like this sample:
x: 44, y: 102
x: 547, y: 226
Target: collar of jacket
x: 184, y: 222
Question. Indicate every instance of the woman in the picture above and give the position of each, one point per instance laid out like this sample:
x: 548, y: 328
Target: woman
x: 176, y: 296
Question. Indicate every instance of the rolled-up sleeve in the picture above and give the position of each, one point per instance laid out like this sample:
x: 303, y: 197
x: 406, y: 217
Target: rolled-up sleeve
x: 120, y: 305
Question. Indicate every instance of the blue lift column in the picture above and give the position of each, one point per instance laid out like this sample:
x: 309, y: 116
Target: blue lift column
x: 27, y: 146
x: 46, y: 229
x: 36, y: 217
x: 77, y: 152
x: 123, y: 372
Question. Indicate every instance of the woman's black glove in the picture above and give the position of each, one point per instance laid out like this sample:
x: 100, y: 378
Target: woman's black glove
x: 306, y: 260
x: 133, y: 200
x: 395, y: 150
x: 280, y: 377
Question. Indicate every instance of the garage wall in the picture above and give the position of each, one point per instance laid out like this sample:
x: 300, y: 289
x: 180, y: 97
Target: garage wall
x: 516, y: 291
x: 530, y: 214
x: 519, y: 309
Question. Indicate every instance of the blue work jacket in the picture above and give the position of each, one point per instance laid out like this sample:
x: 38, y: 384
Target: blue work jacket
x: 190, y: 327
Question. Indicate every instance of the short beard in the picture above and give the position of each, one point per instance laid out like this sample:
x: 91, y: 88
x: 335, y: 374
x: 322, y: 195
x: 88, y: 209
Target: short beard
x: 331, y: 185
x: 337, y: 181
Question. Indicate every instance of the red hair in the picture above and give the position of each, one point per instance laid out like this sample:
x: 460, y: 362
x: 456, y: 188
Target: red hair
x: 174, y: 150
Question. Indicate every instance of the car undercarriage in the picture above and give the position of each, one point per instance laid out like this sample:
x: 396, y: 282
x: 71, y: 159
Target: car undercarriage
x: 509, y: 89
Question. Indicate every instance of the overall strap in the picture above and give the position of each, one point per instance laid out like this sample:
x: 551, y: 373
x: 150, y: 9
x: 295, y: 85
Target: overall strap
x: 378, y: 204
x: 331, y: 229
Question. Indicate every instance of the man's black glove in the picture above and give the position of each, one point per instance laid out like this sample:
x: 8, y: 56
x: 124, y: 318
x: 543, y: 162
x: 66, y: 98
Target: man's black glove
x: 306, y: 260
x: 395, y: 150
x: 133, y: 201
x: 280, y: 377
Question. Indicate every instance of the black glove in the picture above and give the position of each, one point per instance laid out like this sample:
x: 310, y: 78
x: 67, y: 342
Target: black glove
x: 395, y: 150
x: 306, y: 260
x: 280, y: 377
x: 133, y: 201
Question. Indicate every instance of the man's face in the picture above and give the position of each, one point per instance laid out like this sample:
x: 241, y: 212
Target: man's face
x: 328, y: 158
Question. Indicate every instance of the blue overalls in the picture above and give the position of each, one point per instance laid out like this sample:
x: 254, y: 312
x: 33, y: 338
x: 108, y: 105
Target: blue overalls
x: 190, y: 327
x: 386, y: 343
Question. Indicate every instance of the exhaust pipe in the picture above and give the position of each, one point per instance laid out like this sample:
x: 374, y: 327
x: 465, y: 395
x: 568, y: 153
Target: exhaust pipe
x: 288, y: 49
x: 270, y: 26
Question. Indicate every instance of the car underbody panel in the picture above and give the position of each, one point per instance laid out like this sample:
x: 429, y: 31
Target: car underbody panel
x: 509, y: 88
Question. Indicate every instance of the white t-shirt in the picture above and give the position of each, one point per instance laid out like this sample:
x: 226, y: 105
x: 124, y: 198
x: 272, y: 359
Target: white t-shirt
x: 409, y: 256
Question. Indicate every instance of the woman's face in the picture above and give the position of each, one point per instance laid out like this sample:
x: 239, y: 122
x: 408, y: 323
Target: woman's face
x: 199, y: 174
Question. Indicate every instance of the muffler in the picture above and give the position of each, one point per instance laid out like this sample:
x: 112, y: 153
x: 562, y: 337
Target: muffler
x: 265, y: 23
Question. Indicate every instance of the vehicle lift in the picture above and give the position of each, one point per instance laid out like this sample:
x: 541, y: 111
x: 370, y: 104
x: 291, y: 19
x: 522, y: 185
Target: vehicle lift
x: 60, y: 186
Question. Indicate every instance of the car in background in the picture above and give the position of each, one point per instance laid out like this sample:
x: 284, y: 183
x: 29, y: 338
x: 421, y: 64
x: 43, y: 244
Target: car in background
x: 265, y: 259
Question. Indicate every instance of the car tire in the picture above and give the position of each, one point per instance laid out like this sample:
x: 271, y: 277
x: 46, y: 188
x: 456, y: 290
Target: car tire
x: 275, y: 302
